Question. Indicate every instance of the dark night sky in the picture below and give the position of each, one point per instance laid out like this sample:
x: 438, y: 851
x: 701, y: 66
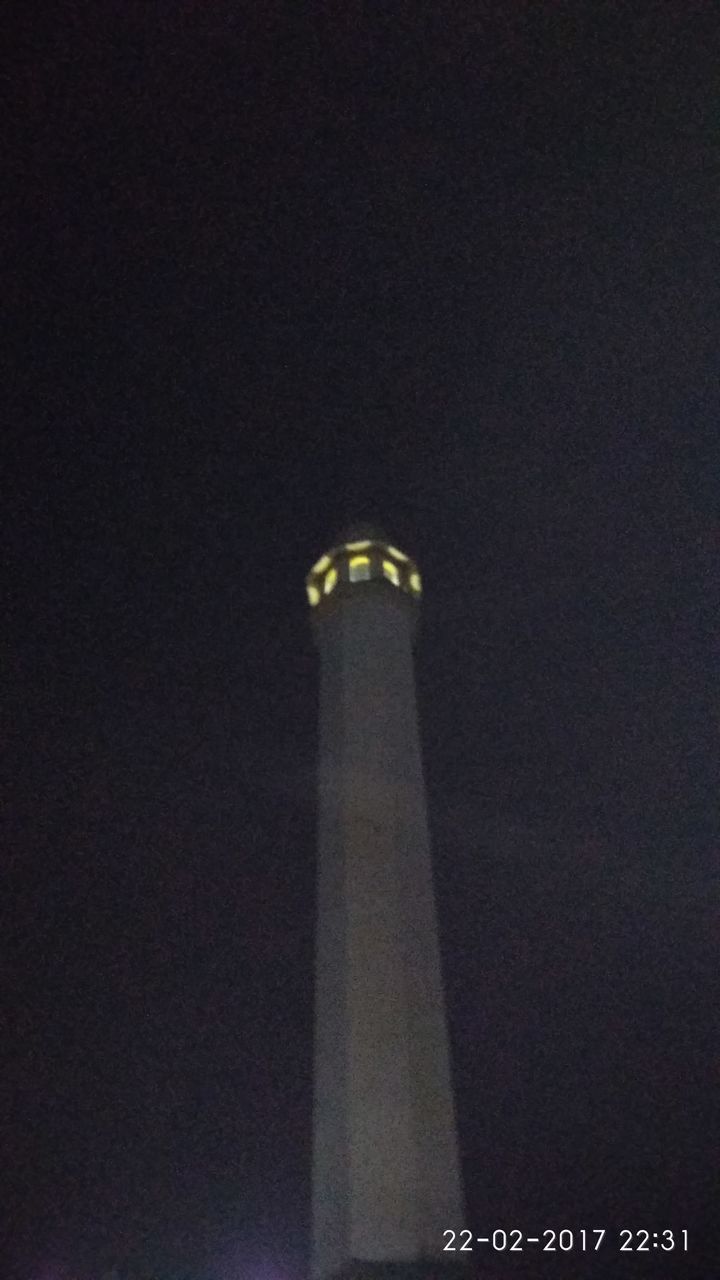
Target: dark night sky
x: 270, y: 267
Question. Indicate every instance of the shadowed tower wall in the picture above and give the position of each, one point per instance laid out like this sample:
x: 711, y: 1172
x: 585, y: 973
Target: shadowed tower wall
x: 386, y: 1180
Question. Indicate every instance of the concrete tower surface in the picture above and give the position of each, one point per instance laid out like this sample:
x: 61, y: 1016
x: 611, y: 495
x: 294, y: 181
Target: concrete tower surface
x: 386, y: 1176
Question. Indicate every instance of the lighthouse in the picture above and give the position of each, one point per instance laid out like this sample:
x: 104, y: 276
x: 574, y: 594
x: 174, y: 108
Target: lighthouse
x: 386, y: 1183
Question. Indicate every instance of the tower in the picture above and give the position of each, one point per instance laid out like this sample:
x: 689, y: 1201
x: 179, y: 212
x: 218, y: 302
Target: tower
x: 386, y: 1177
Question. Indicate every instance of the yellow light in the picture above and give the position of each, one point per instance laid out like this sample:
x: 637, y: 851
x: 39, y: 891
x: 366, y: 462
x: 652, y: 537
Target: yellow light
x: 357, y: 546
x: 323, y: 563
x: 399, y: 555
x: 391, y: 571
x: 415, y: 583
x: 359, y: 568
x: 313, y: 594
x: 330, y: 580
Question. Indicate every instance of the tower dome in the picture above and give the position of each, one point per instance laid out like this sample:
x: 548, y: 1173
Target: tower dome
x: 361, y: 531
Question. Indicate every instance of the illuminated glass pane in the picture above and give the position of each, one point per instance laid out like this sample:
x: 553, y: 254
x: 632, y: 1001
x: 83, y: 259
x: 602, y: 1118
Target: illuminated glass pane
x: 399, y: 555
x: 415, y: 583
x: 313, y: 594
x: 330, y: 580
x: 357, y: 546
x: 322, y: 564
x: 359, y: 569
x: 391, y: 571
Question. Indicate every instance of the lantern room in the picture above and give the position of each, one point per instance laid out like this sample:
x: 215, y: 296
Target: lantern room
x: 363, y: 557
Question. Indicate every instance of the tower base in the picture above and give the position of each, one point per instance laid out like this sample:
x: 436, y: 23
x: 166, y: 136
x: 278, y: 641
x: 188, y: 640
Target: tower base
x: 430, y: 1269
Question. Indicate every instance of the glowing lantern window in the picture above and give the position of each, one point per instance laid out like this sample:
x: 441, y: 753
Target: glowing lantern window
x: 330, y: 580
x: 391, y: 571
x: 415, y: 583
x: 357, y: 546
x: 399, y: 555
x: 359, y: 569
x: 313, y: 594
x: 322, y: 564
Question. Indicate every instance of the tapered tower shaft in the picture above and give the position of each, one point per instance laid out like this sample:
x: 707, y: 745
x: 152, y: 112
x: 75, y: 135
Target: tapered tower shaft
x: 386, y: 1181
